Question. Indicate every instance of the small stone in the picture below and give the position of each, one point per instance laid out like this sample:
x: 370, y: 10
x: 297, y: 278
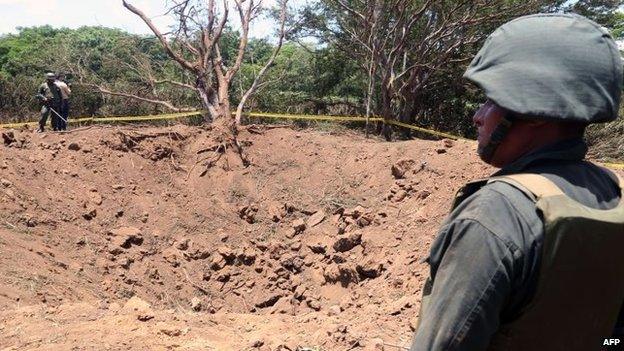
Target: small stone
x: 183, y: 244
x: 296, y: 246
x: 73, y: 146
x: 6, y: 183
x: 226, y: 253
x: 354, y: 212
x: 196, y: 304
x: 138, y: 307
x: 217, y: 263
x: 399, y: 196
x: 316, y: 218
x: 369, y: 269
x: 118, y: 186
x: 298, y: 225
x: 314, y: 304
x: 377, y: 344
x: 441, y: 150
x: 125, y: 237
x: 334, y: 310
x: 90, y: 213
x: 400, y: 168
x: 318, y: 248
x: 8, y: 137
x: 171, y: 331
x: 257, y: 343
x: 267, y: 300
x: 347, y: 243
x: 448, y: 143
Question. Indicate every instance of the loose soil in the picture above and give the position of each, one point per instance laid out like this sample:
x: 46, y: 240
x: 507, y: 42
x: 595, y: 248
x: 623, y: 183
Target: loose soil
x: 121, y: 238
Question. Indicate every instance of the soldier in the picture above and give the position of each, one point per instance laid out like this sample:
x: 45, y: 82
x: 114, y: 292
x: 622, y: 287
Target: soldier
x: 65, y: 93
x: 49, y: 94
x: 530, y: 259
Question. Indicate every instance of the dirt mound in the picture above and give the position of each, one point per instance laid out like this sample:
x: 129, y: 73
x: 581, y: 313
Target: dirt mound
x: 123, y: 238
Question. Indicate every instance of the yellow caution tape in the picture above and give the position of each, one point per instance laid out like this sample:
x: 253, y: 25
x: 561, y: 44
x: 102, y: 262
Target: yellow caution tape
x: 613, y: 165
x: 266, y: 115
x: 314, y: 117
x: 113, y: 119
x: 429, y: 131
x: 354, y: 119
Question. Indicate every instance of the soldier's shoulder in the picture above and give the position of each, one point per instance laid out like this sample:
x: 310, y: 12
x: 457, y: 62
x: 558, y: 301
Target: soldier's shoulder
x: 503, y: 209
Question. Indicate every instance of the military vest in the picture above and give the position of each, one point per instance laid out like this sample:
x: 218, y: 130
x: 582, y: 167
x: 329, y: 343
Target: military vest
x: 580, y: 287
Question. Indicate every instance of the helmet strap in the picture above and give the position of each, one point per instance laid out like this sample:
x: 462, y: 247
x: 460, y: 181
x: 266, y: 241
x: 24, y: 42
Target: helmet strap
x: 498, y: 135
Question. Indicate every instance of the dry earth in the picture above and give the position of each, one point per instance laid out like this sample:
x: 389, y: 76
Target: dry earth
x: 119, y: 238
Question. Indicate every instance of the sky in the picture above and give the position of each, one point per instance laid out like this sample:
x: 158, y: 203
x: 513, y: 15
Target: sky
x: 108, y: 13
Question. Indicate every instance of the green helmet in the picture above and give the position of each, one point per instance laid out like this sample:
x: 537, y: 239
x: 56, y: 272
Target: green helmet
x: 551, y: 66
x: 50, y: 75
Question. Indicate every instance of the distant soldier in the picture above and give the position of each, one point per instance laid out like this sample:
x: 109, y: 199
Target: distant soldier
x: 65, y: 93
x: 49, y: 94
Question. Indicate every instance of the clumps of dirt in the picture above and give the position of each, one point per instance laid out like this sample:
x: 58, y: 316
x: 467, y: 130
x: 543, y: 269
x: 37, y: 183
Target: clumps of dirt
x: 154, y: 146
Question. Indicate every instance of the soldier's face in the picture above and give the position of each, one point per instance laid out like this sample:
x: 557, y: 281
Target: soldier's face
x: 486, y: 119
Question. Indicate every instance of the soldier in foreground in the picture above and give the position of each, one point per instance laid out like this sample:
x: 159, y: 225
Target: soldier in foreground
x: 531, y: 258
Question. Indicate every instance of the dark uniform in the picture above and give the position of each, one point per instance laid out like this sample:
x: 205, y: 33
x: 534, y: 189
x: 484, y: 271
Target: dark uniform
x: 49, y: 95
x: 486, y: 261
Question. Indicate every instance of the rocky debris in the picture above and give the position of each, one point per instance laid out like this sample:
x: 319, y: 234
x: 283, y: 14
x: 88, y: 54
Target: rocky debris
x: 95, y: 197
x: 354, y: 212
x: 170, y: 331
x: 248, y: 213
x: 183, y: 244
x: 344, y: 244
x: 138, y: 307
x: 375, y: 344
x: 278, y: 212
x: 90, y: 212
x: 197, y: 253
x: 423, y: 194
x: 196, y: 304
x: 217, y: 263
x: 398, y: 306
x: 448, y: 143
x: 257, y: 343
x: 335, y: 273
x: 316, y: 218
x: 401, y: 167
x: 6, y: 183
x: 74, y: 146
x: 318, y: 248
x: 334, y: 310
x: 314, y: 304
x: 267, y: 300
x: 441, y: 150
x: 227, y: 254
x: 292, y: 263
x: 298, y: 226
x: 247, y: 256
x: 8, y: 138
x: 370, y: 269
x: 125, y: 237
